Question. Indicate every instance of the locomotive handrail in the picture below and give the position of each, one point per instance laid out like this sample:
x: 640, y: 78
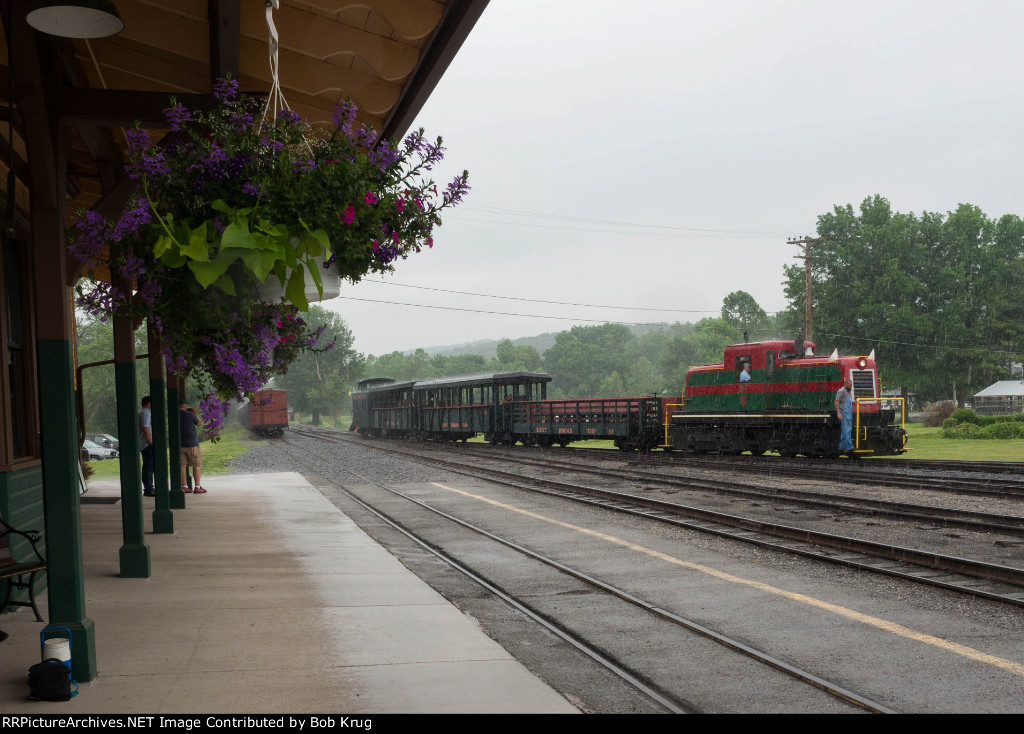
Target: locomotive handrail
x: 903, y: 414
x: 665, y: 418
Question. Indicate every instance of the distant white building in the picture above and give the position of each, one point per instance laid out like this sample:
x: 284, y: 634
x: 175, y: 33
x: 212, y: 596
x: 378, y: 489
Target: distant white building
x: 1002, y: 398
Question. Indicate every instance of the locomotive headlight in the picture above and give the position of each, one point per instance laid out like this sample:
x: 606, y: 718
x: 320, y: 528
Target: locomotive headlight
x: 862, y: 363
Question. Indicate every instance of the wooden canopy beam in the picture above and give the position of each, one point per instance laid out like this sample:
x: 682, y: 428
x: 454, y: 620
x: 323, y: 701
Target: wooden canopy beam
x: 123, y: 108
x: 225, y: 19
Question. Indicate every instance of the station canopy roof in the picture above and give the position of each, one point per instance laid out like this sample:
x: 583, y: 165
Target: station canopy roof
x: 387, y: 55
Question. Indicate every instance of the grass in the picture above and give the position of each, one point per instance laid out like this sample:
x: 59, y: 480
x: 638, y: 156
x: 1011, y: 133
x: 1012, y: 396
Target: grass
x: 927, y: 443
x: 233, y: 443
x: 924, y: 443
x: 342, y: 424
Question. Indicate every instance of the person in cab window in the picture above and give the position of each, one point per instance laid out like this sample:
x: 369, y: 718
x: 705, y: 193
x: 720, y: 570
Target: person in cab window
x: 745, y: 373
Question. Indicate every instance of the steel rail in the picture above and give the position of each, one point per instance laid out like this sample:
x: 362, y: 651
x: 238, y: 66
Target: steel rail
x: 1005, y: 583
x: 735, y: 645
x: 966, y: 519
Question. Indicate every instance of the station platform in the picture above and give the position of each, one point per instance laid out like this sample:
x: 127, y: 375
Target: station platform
x: 268, y: 599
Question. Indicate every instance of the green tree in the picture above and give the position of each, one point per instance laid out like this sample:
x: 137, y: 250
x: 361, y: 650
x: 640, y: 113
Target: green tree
x: 741, y: 310
x: 935, y: 296
x: 319, y: 383
x: 584, y: 356
x: 517, y: 357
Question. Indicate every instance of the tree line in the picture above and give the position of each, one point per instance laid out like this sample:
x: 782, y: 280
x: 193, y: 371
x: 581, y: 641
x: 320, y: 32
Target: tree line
x: 938, y: 297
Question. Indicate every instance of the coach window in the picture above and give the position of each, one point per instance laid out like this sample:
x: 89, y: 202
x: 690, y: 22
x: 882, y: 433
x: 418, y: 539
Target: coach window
x: 740, y: 361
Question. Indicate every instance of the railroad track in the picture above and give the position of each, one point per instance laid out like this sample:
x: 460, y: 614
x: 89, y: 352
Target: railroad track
x: 965, y: 519
x: 639, y: 679
x: 861, y: 472
x: 975, y: 578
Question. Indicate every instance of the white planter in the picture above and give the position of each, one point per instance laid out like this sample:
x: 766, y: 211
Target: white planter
x: 272, y: 291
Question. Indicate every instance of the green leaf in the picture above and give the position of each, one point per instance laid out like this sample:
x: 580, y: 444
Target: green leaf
x: 237, y: 235
x: 197, y: 248
x: 173, y: 259
x: 227, y: 285
x: 314, y: 270
x: 163, y: 244
x: 259, y: 262
x: 295, y: 292
x: 208, y: 272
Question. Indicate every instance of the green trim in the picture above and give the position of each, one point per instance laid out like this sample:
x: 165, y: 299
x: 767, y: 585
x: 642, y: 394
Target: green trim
x: 134, y: 554
x: 177, y: 497
x: 163, y: 518
x: 59, y: 433
x: 21, y: 504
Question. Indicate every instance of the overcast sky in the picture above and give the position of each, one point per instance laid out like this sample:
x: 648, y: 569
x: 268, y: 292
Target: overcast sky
x: 657, y: 155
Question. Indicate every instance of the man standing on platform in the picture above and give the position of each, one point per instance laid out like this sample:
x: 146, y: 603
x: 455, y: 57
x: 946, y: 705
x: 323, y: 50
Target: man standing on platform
x: 146, y: 447
x: 191, y: 454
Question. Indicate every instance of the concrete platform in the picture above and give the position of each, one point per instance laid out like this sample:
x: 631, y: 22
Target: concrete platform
x: 268, y: 599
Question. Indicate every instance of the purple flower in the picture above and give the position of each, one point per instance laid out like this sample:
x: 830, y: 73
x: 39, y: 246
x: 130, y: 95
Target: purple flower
x: 370, y: 198
x: 458, y: 188
x: 304, y: 165
x: 177, y: 116
x: 225, y: 90
x: 366, y: 136
x: 250, y: 188
x: 289, y: 117
x: 344, y: 114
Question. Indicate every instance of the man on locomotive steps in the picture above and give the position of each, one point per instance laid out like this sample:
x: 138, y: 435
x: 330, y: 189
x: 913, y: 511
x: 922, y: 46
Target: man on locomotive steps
x: 844, y: 409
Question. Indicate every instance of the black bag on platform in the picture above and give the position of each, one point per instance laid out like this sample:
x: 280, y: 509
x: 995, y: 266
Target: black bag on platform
x: 49, y: 680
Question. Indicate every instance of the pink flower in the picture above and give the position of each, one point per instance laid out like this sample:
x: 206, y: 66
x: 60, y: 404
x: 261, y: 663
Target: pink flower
x: 401, y: 204
x: 430, y: 241
x: 419, y: 204
x: 370, y: 198
x: 375, y: 243
x: 394, y: 237
x: 349, y: 216
x: 280, y: 323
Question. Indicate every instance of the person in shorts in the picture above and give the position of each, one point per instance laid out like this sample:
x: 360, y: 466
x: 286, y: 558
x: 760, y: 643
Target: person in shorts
x: 191, y: 454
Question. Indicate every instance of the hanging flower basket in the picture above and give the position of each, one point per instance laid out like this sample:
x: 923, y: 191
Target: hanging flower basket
x: 238, y: 224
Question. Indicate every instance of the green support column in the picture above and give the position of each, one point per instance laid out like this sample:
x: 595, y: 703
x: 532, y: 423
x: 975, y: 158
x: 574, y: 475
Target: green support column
x: 174, y: 383
x: 37, y: 81
x: 163, y: 518
x: 65, y: 570
x: 134, y: 553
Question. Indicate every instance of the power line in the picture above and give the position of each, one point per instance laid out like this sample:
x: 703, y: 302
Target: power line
x: 702, y: 234
x: 502, y: 313
x: 540, y: 215
x: 955, y: 348
x: 536, y: 300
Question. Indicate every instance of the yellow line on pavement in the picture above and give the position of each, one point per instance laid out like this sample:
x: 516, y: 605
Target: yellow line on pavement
x: 882, y: 624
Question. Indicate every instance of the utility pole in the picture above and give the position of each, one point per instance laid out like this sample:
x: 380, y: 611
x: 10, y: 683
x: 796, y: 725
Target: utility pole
x: 806, y: 242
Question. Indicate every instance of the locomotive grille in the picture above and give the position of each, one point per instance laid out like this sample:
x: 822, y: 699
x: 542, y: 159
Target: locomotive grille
x: 863, y: 383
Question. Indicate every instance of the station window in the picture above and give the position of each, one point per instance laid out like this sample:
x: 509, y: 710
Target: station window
x: 20, y: 406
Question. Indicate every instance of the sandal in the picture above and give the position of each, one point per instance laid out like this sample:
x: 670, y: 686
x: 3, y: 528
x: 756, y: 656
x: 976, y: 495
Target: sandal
x: 199, y: 490
x: 186, y: 489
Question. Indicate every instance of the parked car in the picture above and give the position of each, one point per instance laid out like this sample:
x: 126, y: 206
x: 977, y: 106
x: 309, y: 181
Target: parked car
x: 103, y: 439
x: 91, y: 451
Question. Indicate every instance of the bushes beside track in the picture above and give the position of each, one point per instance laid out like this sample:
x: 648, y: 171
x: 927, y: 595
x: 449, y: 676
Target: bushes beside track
x: 964, y: 423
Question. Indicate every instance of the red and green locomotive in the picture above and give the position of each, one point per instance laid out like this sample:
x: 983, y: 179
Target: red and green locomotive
x: 787, y: 405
